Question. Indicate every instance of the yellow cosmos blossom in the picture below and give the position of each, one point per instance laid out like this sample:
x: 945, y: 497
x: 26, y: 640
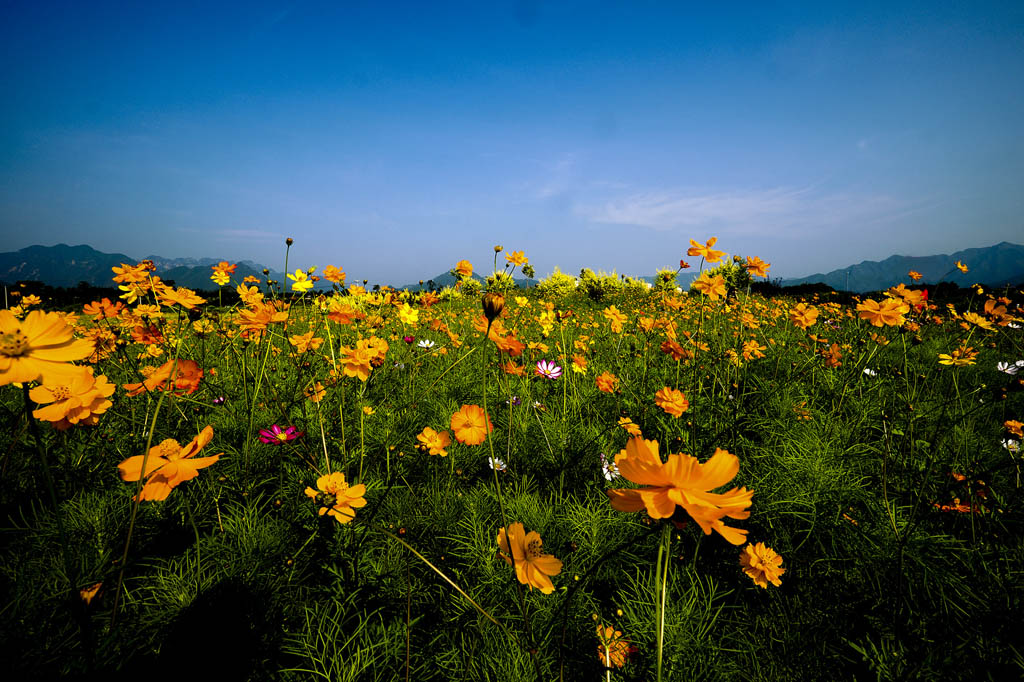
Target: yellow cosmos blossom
x: 471, y: 425
x: 705, y: 251
x: 762, y: 564
x: 682, y: 481
x: 524, y: 551
x: 433, y: 442
x: 961, y: 267
x: 606, y: 382
x: 464, y: 268
x: 711, y: 286
x: 757, y: 267
x: 41, y: 345
x: 407, y: 314
x: 803, y: 315
x: 300, y: 281
x: 168, y: 465
x: 889, y: 312
x: 516, y: 258
x: 336, y: 497
x: 335, y: 275
x: 672, y: 401
x: 915, y: 275
x: 614, y: 317
x: 220, y: 278
x: 78, y: 401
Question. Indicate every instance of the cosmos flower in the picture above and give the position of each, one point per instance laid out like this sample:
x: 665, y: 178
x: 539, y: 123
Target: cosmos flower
x: 78, y: 401
x: 672, y: 401
x: 336, y: 497
x: 168, y: 465
x: 433, y: 442
x: 606, y: 382
x: 548, y: 370
x: 682, y: 481
x: 496, y: 463
x: 425, y: 344
x: 40, y: 346
x: 524, y: 551
x: 762, y: 564
x: 275, y: 435
x: 471, y: 425
x: 705, y: 251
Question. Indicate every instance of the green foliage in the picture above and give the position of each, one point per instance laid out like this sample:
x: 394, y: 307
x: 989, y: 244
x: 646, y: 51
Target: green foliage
x: 889, y: 494
x: 557, y: 285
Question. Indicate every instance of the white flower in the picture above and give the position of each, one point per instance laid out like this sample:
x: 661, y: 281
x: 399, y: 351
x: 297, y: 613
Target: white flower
x: 1012, y: 445
x: 425, y: 344
x: 609, y: 468
x: 870, y: 372
x: 496, y: 463
x: 1008, y: 368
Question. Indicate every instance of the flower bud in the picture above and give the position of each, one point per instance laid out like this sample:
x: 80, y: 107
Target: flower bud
x: 289, y: 241
x: 493, y: 304
x: 498, y: 248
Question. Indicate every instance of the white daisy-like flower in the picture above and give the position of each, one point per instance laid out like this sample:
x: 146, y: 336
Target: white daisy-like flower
x: 1007, y: 367
x: 609, y: 468
x: 496, y: 463
x: 425, y: 344
x: 870, y: 372
x: 1012, y: 445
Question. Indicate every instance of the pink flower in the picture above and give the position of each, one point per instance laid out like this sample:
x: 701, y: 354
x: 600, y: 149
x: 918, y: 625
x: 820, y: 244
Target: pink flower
x: 275, y: 435
x: 548, y: 370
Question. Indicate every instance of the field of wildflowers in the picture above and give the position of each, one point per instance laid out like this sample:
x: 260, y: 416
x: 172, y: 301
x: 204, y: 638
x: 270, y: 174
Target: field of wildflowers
x: 594, y: 479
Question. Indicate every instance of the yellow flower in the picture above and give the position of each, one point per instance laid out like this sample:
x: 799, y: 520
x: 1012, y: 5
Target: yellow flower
x: 613, y: 649
x: 220, y: 277
x: 803, y: 315
x: 705, y: 251
x: 672, y: 401
x: 337, y: 498
x: 523, y: 551
x: 168, y: 465
x: 433, y: 442
x: 186, y: 298
x: 80, y: 400
x: 471, y: 425
x: 606, y: 382
x: 961, y: 357
x: 614, y: 317
x: 300, y: 281
x: 464, y: 268
x: 915, y: 275
x: 333, y: 274
x: 41, y: 345
x: 889, y: 312
x: 630, y: 427
x: 682, y: 481
x: 961, y: 267
x: 516, y: 258
x: 980, y: 321
x: 762, y: 564
x: 407, y: 314
x: 711, y: 286
x: 757, y: 267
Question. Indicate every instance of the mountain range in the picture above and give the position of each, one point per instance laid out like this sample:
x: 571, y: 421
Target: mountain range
x: 68, y: 266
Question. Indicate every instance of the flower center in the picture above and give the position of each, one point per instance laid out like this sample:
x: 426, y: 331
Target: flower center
x: 13, y: 344
x: 533, y: 549
x: 60, y: 392
x: 168, y: 447
x: 283, y: 436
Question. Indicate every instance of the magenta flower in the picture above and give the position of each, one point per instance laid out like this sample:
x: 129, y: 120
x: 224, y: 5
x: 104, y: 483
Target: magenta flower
x: 275, y: 435
x: 548, y: 370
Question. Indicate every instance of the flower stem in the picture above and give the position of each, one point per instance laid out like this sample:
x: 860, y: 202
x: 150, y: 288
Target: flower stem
x: 661, y: 585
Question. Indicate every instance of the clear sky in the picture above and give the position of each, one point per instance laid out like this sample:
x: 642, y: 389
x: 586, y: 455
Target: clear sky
x: 393, y: 139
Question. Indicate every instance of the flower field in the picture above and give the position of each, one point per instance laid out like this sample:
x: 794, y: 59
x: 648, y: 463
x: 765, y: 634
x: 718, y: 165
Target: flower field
x: 593, y: 479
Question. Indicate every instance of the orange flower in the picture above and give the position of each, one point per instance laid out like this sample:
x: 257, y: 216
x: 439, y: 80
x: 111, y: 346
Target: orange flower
x: 103, y: 309
x: 305, y: 342
x: 682, y: 481
x: 613, y: 649
x: 186, y: 298
x: 961, y: 267
x: 79, y: 400
x: 606, y: 382
x: 889, y: 312
x: 259, y: 315
x: 356, y: 362
x: 186, y: 375
x: 614, y: 317
x: 434, y: 442
x: 803, y: 315
x: 1015, y: 427
x: 672, y: 401
x: 711, y: 286
x: 130, y: 274
x: 630, y: 427
x: 516, y: 258
x: 471, y: 425
x: 168, y: 465
x: 762, y: 564
x: 915, y: 275
x: 705, y: 251
x: 464, y: 268
x: 523, y: 551
x: 224, y: 266
x: 757, y: 267
x: 337, y: 498
x: 333, y: 274
x: 670, y: 347
x: 41, y: 345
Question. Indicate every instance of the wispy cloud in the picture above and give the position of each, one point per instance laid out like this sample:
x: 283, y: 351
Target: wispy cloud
x: 784, y: 211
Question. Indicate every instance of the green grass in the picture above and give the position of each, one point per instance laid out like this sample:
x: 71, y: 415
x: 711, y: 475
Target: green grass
x: 849, y: 471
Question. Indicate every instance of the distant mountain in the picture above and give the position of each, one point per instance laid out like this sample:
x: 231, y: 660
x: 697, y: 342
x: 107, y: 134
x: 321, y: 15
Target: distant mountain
x: 60, y: 265
x: 993, y: 266
x: 67, y: 266
x: 446, y: 279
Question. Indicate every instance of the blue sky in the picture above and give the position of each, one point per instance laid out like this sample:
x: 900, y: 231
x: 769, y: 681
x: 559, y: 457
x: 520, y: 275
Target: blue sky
x: 394, y: 139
